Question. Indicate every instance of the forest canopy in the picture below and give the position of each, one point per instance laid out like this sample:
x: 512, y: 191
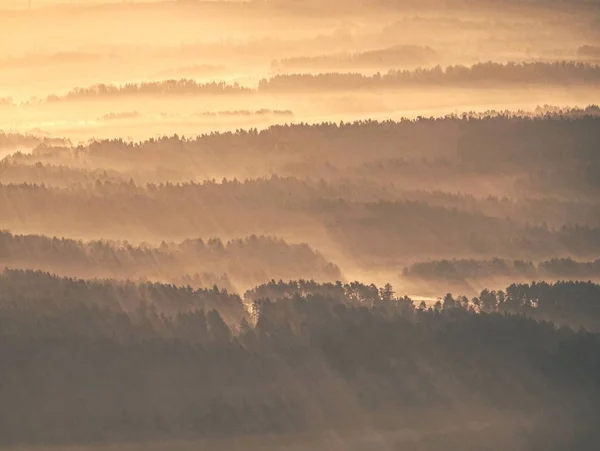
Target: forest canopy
x: 97, y: 336
x: 300, y: 225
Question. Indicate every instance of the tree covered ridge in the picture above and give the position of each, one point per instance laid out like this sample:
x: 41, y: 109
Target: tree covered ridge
x: 146, y: 361
x: 405, y: 229
x: 463, y: 270
x: 167, y: 87
x: 397, y: 55
x: 514, y: 143
x: 479, y: 74
x: 236, y: 262
x: 37, y: 293
x: 506, y: 186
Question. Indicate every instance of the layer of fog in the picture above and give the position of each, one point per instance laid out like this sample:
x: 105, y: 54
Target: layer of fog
x: 210, y: 41
x: 136, y: 119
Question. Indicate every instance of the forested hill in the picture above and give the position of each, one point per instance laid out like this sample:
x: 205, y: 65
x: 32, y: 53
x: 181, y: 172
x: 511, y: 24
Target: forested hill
x: 151, y: 361
x: 235, y: 264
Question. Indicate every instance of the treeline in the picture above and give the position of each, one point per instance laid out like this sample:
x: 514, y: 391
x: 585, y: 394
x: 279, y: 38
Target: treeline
x: 570, y: 303
x: 165, y: 88
x: 565, y: 303
x: 263, y: 112
x: 550, y: 211
x: 155, y: 212
x: 385, y: 180
x: 542, y: 110
x: 464, y: 270
x: 511, y: 141
x: 260, y: 113
x: 31, y: 297
x: 15, y: 141
x: 373, y: 231
x: 233, y: 265
x: 550, y: 155
x: 398, y: 55
x: 481, y: 74
x: 589, y: 51
x: 18, y: 171
x: 310, y: 355
x: 537, y: 139
x: 364, y: 182
x: 392, y: 232
x: 247, y: 113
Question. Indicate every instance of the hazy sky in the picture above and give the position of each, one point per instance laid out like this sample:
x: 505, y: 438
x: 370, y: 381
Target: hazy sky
x: 24, y: 4
x: 46, y: 54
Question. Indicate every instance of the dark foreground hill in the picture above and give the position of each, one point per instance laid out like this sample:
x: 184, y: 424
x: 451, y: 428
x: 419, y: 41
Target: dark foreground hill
x: 96, y: 361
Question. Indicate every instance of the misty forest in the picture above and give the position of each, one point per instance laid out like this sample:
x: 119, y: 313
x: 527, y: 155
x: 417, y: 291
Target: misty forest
x: 269, y: 225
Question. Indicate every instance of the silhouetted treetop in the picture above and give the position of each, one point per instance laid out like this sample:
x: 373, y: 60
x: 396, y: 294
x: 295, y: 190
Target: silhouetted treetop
x: 167, y: 87
x: 481, y: 74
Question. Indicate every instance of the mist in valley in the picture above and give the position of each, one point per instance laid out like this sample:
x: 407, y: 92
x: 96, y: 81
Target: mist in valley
x: 275, y: 224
